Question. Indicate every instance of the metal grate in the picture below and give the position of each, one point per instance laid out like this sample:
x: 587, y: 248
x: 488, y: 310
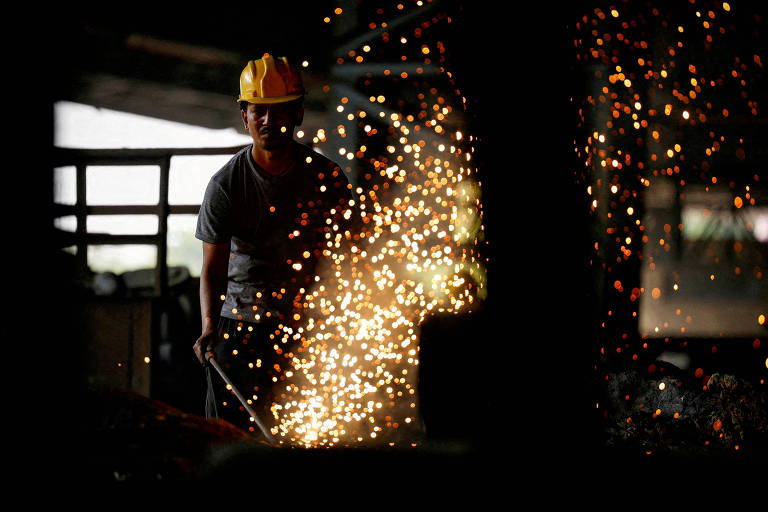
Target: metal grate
x: 81, y: 159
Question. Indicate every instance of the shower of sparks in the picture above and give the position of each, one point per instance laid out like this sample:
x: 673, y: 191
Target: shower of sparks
x: 405, y: 247
x: 651, y: 109
x: 670, y: 102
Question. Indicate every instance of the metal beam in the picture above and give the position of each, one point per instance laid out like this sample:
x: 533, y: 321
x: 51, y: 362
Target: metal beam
x: 354, y: 71
x: 161, y: 274
x: 151, y: 156
x: 62, y: 210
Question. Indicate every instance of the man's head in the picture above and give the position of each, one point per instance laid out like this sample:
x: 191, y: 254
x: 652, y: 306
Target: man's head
x: 271, y: 125
x: 271, y: 100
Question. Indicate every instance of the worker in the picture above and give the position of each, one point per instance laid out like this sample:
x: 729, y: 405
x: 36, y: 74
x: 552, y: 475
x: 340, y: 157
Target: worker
x: 263, y: 225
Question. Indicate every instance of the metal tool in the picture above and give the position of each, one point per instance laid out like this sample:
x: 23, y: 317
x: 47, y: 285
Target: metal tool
x: 267, y: 435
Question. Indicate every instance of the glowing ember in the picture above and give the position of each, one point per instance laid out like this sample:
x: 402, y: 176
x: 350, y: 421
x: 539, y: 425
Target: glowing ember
x: 666, y: 121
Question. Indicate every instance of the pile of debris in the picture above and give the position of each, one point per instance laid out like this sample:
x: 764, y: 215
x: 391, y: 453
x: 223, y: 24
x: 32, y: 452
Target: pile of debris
x: 127, y: 436
x: 662, y: 410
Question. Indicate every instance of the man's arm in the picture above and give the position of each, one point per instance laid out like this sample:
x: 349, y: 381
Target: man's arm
x: 213, y: 284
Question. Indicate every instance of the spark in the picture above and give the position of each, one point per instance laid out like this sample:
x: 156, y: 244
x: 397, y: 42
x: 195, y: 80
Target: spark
x: 647, y: 109
x: 405, y: 247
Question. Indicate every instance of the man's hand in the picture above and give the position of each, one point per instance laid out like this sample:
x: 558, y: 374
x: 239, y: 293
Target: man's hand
x: 205, y: 343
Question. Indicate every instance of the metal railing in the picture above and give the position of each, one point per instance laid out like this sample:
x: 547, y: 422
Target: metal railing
x: 81, y: 159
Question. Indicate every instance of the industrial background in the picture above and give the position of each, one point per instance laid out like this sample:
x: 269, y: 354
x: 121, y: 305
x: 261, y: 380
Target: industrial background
x: 519, y: 377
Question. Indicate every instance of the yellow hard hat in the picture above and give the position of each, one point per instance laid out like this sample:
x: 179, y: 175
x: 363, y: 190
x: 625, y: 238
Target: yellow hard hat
x: 270, y: 80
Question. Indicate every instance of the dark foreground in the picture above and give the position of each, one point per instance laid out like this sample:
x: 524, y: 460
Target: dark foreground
x: 126, y: 437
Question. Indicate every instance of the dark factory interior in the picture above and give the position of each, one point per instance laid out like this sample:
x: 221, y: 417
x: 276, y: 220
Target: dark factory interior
x: 617, y: 312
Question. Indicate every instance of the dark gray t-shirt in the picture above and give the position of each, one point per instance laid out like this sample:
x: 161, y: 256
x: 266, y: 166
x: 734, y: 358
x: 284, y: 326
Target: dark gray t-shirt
x: 275, y: 227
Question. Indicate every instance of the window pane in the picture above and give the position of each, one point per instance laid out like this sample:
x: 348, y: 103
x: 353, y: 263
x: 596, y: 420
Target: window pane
x: 706, y: 282
x: 123, y: 224
x: 724, y: 224
x: 761, y: 225
x: 121, y: 258
x: 114, y: 185
x: 67, y: 223
x: 189, y: 176
x: 64, y: 185
x: 183, y: 248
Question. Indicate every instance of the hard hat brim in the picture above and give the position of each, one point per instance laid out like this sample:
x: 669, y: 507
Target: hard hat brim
x: 276, y: 99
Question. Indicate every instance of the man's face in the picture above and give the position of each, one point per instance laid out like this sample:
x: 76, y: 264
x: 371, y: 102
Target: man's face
x: 271, y: 125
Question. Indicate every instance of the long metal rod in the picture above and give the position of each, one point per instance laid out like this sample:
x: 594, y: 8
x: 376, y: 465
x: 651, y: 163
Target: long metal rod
x: 248, y: 408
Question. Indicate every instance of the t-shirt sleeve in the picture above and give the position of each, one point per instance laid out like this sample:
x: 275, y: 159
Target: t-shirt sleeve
x: 214, y: 223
